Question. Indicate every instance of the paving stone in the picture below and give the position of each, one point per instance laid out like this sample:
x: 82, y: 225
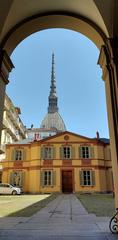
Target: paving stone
x: 63, y: 218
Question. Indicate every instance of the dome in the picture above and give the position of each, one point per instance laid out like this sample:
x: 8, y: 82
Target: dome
x: 53, y: 120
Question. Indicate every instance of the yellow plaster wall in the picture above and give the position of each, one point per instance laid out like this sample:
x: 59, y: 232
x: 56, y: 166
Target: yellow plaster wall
x: 33, y: 164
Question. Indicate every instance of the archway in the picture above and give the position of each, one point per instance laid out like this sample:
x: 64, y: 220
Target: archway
x: 107, y: 61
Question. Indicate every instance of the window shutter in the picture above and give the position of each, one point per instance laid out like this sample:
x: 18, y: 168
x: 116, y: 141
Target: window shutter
x: 91, y: 152
x: 72, y: 152
x: 42, y: 152
x: 61, y: 153
x: 42, y: 178
x: 54, y: 152
x: 22, y: 179
x: 54, y: 178
x: 81, y: 178
x: 13, y: 154
x: 80, y: 152
x: 11, y: 180
x: 93, y: 178
x: 24, y: 154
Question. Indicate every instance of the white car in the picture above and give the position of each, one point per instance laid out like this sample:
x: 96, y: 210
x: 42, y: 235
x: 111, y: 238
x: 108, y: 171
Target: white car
x: 6, y: 188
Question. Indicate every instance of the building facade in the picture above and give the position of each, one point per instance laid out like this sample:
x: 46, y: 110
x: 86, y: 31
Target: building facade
x: 65, y: 162
x: 13, y: 128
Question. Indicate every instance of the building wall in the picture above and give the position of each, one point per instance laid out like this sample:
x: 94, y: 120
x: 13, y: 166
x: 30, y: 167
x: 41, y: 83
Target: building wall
x: 33, y: 165
x: 13, y: 128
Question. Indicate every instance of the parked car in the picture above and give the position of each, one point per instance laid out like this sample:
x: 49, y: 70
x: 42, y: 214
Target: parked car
x: 6, y: 188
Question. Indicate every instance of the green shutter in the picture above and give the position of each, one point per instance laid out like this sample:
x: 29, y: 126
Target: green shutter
x: 80, y: 152
x: 81, y: 178
x: 72, y: 152
x: 51, y: 152
x: 24, y: 154
x: 22, y: 179
x: 13, y: 154
x: 11, y: 180
x: 91, y: 152
x: 42, y: 178
x: 54, y: 152
x: 93, y: 178
x: 42, y: 152
x: 54, y: 178
x: 61, y: 153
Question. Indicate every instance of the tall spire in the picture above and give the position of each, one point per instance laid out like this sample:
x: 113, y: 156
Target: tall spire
x: 52, y: 107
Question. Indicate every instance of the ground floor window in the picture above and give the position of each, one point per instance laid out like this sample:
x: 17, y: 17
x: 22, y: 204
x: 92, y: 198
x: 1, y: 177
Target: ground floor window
x: 17, y: 178
x: 87, y: 178
x: 48, y: 178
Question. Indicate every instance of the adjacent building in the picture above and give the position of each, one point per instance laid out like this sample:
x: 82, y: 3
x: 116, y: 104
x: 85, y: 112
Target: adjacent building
x: 13, y: 128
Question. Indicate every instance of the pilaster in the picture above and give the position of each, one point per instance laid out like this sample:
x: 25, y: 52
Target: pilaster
x: 108, y: 61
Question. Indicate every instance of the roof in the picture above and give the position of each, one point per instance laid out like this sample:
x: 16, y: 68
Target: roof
x: 23, y: 141
x: 105, y: 140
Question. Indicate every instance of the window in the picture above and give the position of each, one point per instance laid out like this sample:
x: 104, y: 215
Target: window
x: 86, y: 152
x: 47, y: 153
x: 17, y: 178
x: 87, y: 178
x: 66, y: 152
x: 47, y: 178
x: 18, y: 154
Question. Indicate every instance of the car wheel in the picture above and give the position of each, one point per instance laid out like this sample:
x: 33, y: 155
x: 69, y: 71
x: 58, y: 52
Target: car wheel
x: 14, y: 192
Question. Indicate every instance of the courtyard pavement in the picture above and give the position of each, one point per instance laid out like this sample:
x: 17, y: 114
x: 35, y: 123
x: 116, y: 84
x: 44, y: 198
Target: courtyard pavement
x: 62, y: 219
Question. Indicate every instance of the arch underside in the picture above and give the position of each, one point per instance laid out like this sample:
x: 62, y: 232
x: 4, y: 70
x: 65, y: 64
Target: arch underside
x: 52, y: 20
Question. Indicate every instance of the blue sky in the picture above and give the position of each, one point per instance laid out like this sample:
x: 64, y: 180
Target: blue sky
x: 80, y: 89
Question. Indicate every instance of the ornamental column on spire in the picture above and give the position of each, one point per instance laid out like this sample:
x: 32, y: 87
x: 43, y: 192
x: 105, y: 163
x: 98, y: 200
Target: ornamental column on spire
x: 53, y: 107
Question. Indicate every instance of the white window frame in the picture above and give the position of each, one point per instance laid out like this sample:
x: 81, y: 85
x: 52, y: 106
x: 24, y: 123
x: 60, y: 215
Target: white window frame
x: 48, y: 178
x: 18, y: 154
x: 87, y: 177
x: 66, y: 152
x: 85, y: 152
x: 48, y: 153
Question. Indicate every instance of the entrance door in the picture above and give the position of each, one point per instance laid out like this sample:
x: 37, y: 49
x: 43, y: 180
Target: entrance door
x: 67, y: 186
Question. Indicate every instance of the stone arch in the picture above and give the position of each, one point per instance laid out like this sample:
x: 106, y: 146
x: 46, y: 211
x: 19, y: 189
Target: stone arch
x: 49, y: 20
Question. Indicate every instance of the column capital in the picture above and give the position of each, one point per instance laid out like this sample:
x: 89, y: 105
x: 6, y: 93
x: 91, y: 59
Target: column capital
x: 108, y: 57
x: 6, y: 66
x: 103, y: 61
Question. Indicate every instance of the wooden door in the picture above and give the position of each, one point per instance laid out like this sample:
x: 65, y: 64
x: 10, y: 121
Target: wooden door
x: 67, y: 185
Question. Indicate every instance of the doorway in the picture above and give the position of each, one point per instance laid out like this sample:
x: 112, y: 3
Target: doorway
x: 67, y: 183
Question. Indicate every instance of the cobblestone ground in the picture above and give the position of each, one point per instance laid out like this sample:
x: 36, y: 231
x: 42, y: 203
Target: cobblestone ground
x: 62, y: 219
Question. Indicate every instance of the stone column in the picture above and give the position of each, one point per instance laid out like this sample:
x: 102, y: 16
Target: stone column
x: 5, y: 68
x: 108, y: 60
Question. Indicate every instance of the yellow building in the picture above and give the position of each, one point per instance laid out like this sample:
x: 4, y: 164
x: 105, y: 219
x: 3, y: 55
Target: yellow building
x: 65, y: 162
